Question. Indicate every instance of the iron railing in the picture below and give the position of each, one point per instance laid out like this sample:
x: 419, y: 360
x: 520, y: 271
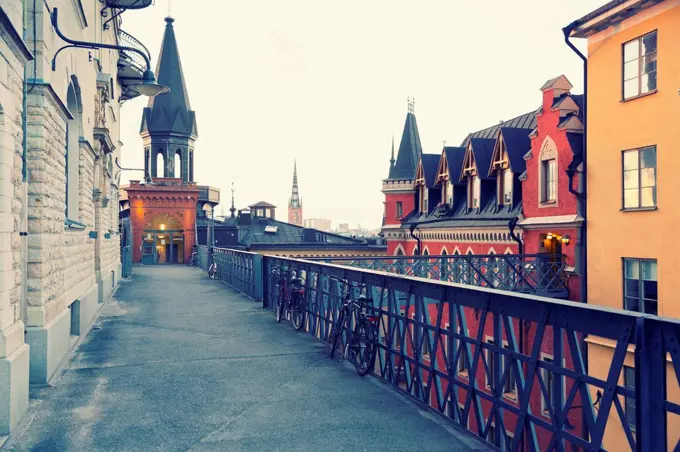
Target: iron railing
x: 132, y: 59
x: 510, y: 367
x: 540, y: 274
x: 238, y: 269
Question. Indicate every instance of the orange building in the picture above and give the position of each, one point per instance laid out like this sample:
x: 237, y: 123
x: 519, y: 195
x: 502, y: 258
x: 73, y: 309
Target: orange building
x: 632, y: 177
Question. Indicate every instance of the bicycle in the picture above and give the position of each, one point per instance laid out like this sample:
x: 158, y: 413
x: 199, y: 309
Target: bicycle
x: 212, y: 270
x: 289, y: 307
x: 363, y: 342
x: 193, y: 260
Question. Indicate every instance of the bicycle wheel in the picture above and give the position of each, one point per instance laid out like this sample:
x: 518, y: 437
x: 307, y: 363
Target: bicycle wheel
x: 279, y: 306
x: 364, y: 347
x: 336, y: 333
x: 298, y: 311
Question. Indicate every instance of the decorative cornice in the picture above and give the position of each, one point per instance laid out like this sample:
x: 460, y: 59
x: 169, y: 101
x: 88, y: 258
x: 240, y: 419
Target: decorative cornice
x: 13, y: 39
x: 40, y: 87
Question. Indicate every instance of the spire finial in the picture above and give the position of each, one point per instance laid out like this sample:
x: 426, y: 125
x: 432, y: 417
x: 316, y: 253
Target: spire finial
x: 411, y: 103
x: 392, y: 159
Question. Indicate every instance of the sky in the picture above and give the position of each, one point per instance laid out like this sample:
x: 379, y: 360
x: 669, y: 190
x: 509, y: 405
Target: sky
x: 326, y: 84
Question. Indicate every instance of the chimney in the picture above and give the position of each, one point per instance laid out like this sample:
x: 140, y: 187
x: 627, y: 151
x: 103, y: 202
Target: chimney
x: 244, y: 217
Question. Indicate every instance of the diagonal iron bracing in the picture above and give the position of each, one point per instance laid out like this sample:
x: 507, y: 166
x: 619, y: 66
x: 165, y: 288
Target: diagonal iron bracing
x: 510, y: 367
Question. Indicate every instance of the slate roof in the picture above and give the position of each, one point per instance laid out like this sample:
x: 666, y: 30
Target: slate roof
x: 409, y: 152
x: 525, y: 121
x: 576, y: 144
x: 262, y: 204
x: 454, y: 157
x: 430, y: 166
x: 171, y: 112
x: 517, y: 143
x: 482, y: 148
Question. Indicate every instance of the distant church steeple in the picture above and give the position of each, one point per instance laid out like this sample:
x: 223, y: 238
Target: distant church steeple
x: 295, y: 203
x: 168, y: 124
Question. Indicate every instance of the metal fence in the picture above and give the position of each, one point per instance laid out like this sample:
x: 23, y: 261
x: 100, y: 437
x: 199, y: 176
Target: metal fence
x: 510, y: 367
x: 239, y: 269
x: 540, y: 274
x: 126, y: 260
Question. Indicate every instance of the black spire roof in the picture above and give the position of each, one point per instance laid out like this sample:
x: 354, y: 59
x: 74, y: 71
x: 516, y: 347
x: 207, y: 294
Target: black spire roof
x: 171, y: 112
x: 410, y: 151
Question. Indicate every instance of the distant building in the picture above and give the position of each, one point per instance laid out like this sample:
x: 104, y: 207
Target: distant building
x: 295, y: 203
x: 255, y: 229
x: 318, y: 223
x: 343, y: 227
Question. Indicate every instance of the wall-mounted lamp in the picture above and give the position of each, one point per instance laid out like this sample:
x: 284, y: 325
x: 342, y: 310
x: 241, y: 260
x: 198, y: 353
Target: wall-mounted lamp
x: 162, y: 227
x: 565, y: 239
x: 549, y: 237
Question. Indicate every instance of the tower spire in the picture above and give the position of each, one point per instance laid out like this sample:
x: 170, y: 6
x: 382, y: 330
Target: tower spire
x: 233, y: 208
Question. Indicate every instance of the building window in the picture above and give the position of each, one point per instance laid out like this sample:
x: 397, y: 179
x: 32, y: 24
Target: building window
x: 474, y: 191
x: 639, y: 66
x: 640, y: 285
x: 549, y: 178
x: 449, y: 193
x: 506, y: 186
x: 400, y: 209
x: 548, y: 381
x: 424, y: 207
x: 639, y: 178
x: 629, y: 383
x: 462, y: 360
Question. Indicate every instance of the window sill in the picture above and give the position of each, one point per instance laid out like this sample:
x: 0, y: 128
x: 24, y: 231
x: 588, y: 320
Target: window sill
x: 549, y: 203
x: 639, y: 96
x: 510, y: 396
x: 464, y: 374
x: 73, y: 225
x: 638, y: 209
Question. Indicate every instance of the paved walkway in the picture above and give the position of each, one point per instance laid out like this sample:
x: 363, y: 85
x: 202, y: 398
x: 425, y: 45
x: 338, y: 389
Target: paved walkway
x: 178, y: 362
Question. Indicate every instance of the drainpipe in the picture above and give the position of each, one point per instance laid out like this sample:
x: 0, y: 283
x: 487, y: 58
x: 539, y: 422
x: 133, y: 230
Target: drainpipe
x: 412, y: 228
x: 23, y: 226
x: 511, y: 227
x: 582, y: 241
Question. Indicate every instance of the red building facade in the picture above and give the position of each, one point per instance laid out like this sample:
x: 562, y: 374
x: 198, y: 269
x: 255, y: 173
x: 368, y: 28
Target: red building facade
x: 509, y: 189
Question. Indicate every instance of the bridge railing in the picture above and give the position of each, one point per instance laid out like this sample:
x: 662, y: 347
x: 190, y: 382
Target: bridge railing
x: 510, y: 367
x: 540, y: 274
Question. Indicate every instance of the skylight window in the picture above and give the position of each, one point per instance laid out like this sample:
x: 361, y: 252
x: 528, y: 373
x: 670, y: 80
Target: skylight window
x: 271, y: 229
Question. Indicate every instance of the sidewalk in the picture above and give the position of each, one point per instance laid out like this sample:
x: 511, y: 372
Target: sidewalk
x: 178, y: 362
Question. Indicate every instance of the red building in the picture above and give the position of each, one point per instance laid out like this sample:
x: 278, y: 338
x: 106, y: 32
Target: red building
x: 164, y: 207
x: 511, y: 188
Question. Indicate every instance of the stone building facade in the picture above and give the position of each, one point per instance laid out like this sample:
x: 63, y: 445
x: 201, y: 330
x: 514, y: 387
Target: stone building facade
x: 59, y: 144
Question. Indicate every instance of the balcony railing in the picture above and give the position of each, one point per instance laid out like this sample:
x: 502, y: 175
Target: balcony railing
x: 131, y: 58
x: 539, y: 274
x: 511, y: 368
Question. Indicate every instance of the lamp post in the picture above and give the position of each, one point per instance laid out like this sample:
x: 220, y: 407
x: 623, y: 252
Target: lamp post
x: 147, y: 177
x: 147, y: 86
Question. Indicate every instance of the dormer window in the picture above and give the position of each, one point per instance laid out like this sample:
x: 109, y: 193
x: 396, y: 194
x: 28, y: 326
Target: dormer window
x: 474, y: 192
x: 449, y: 193
x: 506, y: 176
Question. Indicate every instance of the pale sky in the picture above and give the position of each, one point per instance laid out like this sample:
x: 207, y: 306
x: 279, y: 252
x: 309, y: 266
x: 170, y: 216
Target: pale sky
x: 326, y: 83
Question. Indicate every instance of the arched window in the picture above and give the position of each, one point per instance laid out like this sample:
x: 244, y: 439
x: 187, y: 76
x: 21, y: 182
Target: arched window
x: 74, y: 129
x: 400, y: 252
x: 444, y: 253
x: 147, y: 159
x: 178, y: 163
x: 191, y: 165
x: 160, y: 164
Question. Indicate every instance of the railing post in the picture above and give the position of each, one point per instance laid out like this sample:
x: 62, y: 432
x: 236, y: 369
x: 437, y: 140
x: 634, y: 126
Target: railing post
x: 650, y: 386
x: 258, y: 277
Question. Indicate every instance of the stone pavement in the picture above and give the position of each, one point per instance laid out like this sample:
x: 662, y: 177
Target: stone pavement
x: 178, y: 362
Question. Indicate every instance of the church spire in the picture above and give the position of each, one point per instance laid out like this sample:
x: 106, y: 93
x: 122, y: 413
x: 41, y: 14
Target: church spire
x: 410, y: 148
x: 171, y: 112
x: 295, y: 203
x: 391, y: 160
x: 233, y: 208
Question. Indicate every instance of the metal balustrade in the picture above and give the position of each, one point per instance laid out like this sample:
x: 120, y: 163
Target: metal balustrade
x: 510, y: 367
x: 237, y: 269
x: 133, y: 59
x: 540, y: 274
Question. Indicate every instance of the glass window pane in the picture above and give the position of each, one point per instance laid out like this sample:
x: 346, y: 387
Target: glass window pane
x: 630, y: 88
x: 650, y: 291
x: 648, y: 197
x: 631, y: 50
x: 631, y: 69
x: 647, y: 177
x: 648, y: 82
x: 651, y: 307
x: 649, y: 270
x: 649, y: 43
x: 631, y: 304
x: 630, y: 179
x: 648, y: 157
x: 632, y: 288
x: 631, y: 198
x: 632, y: 268
x: 630, y: 160
x: 649, y: 63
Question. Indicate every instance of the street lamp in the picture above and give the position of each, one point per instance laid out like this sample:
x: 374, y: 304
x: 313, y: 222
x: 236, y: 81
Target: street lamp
x: 147, y: 177
x: 147, y: 86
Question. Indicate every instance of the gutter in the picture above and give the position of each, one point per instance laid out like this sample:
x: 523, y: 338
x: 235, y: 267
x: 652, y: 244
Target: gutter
x: 581, y: 195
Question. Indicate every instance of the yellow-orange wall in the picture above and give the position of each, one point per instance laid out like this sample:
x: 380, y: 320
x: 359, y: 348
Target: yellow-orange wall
x: 615, y: 126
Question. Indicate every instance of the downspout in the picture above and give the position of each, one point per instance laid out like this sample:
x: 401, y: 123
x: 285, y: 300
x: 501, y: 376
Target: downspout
x: 582, y: 241
x: 412, y: 228
x: 511, y: 227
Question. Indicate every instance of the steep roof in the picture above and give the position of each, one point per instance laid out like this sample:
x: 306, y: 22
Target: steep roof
x: 517, y: 144
x: 482, y: 149
x: 576, y: 144
x: 454, y: 157
x: 409, y: 153
x: 262, y: 204
x: 171, y: 112
x: 525, y: 121
x: 430, y: 165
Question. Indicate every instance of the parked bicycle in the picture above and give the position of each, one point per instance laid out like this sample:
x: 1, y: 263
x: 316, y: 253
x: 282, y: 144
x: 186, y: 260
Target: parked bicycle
x: 212, y: 269
x: 289, y: 305
x: 363, y: 342
x: 193, y: 260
